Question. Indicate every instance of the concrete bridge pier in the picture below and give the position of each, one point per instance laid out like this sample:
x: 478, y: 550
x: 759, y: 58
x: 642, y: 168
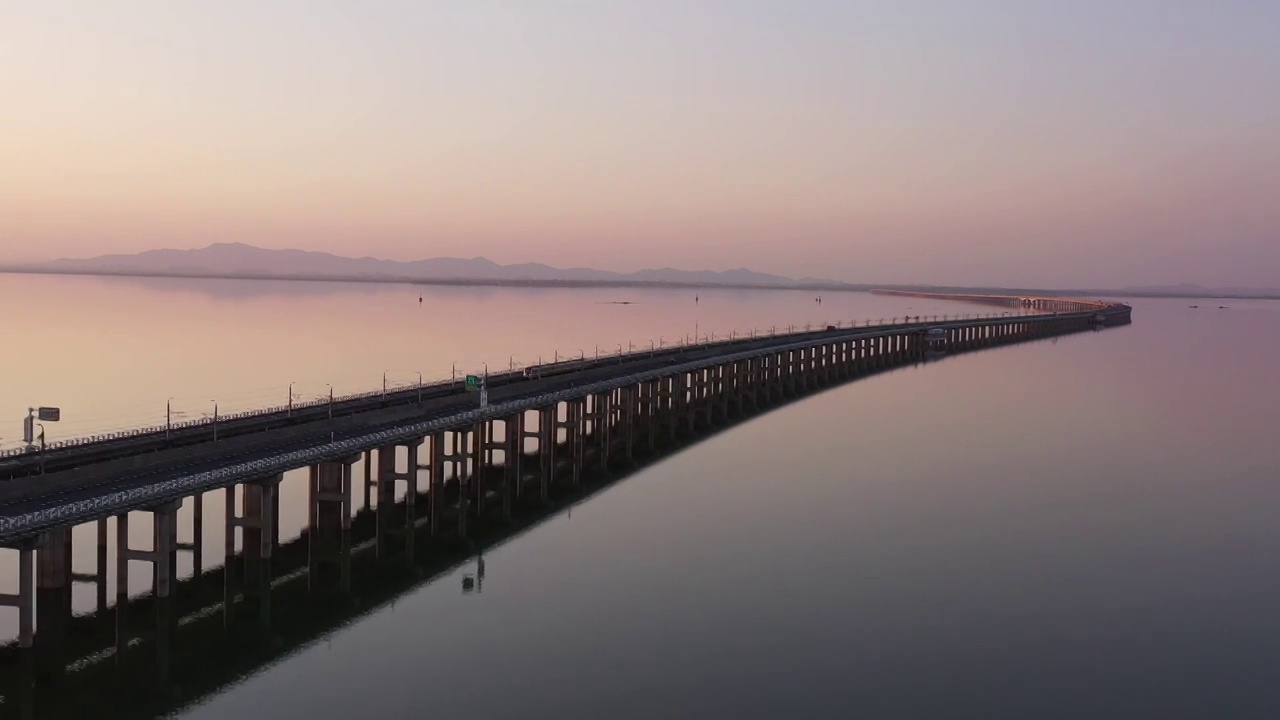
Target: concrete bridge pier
x: 435, y: 481
x: 697, y: 401
x: 458, y: 458
x: 578, y: 419
x: 53, y: 601
x: 674, y: 402
x: 770, y: 384
x: 396, y: 522
x: 652, y: 405
x: 25, y: 599
x: 163, y: 558
x: 737, y: 388
x: 719, y: 400
x: 329, y: 525
x: 546, y: 450
x: 258, y: 519
x: 568, y: 424
x: 719, y: 395
x: 629, y: 421
x: 689, y: 401
x: 476, y: 489
x: 604, y: 418
x: 98, y: 578
x: 196, y: 546
x: 512, y: 454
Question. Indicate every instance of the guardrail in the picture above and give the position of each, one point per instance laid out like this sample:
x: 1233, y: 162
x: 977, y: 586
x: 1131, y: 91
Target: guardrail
x: 338, y: 400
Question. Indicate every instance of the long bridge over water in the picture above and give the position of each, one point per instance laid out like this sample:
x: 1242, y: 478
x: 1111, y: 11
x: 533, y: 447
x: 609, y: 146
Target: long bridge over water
x: 441, y: 479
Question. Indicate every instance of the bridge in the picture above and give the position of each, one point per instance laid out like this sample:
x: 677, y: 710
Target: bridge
x: 469, y: 474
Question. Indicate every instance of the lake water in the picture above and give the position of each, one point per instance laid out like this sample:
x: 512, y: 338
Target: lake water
x: 1081, y: 527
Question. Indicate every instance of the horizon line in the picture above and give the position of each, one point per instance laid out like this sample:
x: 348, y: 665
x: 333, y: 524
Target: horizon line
x: 623, y: 283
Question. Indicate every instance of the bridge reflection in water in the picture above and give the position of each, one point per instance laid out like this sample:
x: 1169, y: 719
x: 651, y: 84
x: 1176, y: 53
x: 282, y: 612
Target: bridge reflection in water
x: 486, y: 483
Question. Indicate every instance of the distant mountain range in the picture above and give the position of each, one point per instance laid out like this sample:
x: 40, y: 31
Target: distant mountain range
x: 240, y: 260
x: 237, y: 260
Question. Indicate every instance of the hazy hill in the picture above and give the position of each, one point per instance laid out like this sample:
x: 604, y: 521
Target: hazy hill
x: 239, y: 259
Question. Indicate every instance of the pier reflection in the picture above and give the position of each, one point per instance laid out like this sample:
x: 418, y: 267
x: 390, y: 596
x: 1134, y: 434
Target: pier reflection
x: 188, y: 638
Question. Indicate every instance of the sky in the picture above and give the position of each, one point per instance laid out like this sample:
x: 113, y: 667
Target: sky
x: 1017, y: 142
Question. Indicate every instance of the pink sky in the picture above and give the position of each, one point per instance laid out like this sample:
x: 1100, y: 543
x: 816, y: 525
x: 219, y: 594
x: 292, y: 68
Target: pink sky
x: 1090, y: 144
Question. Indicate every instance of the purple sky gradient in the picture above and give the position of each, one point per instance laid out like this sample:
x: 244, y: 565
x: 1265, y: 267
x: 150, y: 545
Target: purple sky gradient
x: 998, y: 142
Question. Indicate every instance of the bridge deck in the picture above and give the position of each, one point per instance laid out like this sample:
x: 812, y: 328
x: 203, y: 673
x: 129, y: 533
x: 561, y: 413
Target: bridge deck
x: 88, y: 484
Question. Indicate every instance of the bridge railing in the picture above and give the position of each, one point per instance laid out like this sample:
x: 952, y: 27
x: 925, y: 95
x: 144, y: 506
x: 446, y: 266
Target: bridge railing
x: 710, y: 339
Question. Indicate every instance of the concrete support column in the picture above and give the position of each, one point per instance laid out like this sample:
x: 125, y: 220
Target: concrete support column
x: 675, y: 396
x: 461, y: 477
x: 368, y: 479
x: 479, y: 456
x: 25, y: 600
x: 387, y: 523
x: 604, y: 416
x: 163, y: 557
x: 329, y: 527
x: 651, y: 409
x: 435, y: 491
x: 196, y: 546
x: 53, y: 601
x: 513, y: 437
x: 725, y: 396
x: 629, y: 420
x: 546, y: 449
x: 579, y: 433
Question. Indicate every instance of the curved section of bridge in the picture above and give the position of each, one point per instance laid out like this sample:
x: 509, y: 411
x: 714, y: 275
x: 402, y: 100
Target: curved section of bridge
x: 471, y: 471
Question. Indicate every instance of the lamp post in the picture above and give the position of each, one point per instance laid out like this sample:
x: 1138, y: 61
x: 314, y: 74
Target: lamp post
x: 41, y: 426
x: 168, y: 419
x: 290, y: 414
x: 419, y: 387
x: 384, y: 383
x: 215, y: 420
x: 330, y: 400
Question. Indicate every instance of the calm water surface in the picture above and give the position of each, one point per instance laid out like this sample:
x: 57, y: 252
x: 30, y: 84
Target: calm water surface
x: 1082, y: 527
x: 1073, y: 528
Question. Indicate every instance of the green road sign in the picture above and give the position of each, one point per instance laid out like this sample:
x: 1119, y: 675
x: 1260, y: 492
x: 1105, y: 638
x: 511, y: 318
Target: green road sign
x: 473, y: 382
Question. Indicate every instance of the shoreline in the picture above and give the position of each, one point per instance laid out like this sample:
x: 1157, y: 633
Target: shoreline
x: 636, y: 284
